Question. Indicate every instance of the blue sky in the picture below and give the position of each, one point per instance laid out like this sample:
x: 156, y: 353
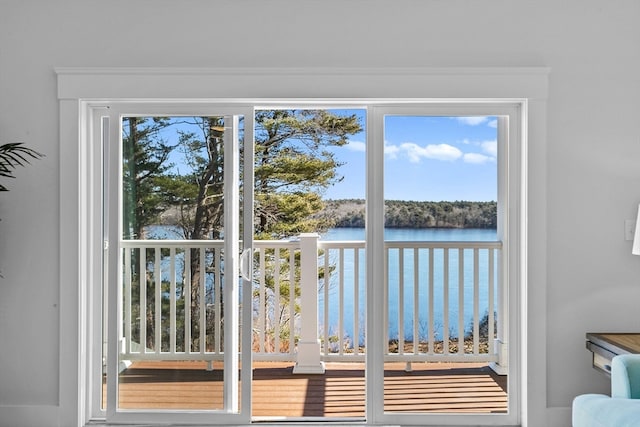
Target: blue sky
x: 426, y: 158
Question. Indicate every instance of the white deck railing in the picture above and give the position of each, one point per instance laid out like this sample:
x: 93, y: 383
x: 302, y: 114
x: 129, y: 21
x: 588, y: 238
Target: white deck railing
x: 430, y: 290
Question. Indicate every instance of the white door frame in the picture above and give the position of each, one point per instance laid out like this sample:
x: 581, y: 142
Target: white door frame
x: 79, y: 88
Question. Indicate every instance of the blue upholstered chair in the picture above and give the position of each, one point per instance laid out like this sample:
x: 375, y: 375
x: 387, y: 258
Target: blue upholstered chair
x: 622, y: 409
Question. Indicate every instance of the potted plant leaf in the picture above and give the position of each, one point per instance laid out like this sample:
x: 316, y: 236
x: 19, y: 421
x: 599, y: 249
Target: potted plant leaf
x: 12, y: 155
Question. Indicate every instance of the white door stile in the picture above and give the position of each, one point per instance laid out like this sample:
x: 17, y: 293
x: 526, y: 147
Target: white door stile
x: 112, y: 201
x: 376, y: 268
x: 97, y: 122
x: 231, y: 266
x: 246, y: 375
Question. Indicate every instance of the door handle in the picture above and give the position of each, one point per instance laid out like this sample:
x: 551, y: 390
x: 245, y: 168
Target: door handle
x: 245, y: 264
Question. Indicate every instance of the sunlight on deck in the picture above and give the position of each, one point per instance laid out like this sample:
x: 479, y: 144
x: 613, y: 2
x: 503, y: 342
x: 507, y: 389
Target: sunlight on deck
x: 429, y: 387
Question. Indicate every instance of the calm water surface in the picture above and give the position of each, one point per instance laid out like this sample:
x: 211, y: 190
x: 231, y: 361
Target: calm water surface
x: 405, y: 298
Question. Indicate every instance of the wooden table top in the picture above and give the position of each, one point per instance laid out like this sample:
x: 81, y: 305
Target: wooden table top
x: 622, y: 342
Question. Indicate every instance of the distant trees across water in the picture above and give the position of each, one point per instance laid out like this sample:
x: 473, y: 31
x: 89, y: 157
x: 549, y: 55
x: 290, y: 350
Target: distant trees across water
x: 413, y: 214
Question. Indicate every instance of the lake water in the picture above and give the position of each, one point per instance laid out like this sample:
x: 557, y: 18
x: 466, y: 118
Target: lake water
x: 395, y: 296
x: 416, y: 234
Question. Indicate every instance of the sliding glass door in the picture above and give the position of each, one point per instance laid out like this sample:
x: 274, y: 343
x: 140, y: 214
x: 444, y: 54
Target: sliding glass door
x: 407, y: 307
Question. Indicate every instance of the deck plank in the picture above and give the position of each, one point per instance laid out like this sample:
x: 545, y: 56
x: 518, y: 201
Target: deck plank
x: 340, y: 392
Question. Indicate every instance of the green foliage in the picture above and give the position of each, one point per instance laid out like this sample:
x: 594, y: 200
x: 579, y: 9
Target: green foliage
x: 293, y: 167
x: 290, y: 214
x: 145, y: 160
x: 197, y: 194
x: 12, y: 155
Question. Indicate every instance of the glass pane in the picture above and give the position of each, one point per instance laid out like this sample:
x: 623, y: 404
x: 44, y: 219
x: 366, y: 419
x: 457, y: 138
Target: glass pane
x: 172, y: 307
x: 442, y: 265
x: 309, y: 178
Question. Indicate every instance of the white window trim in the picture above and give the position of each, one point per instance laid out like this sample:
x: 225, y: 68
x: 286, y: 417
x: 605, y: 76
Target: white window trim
x: 79, y: 88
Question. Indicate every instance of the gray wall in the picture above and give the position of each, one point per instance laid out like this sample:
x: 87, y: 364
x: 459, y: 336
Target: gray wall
x: 593, y: 137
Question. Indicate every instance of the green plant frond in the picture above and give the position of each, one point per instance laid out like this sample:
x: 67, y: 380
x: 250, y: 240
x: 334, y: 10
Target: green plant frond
x: 17, y: 154
x: 12, y: 155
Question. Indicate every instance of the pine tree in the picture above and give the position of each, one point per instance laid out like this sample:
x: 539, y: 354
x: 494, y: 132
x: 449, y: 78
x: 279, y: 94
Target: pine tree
x: 293, y: 167
x: 145, y: 161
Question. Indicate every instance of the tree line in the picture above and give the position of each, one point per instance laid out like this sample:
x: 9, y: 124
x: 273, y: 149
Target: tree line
x: 415, y: 214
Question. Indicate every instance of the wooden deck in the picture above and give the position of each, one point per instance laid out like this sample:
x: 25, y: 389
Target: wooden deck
x: 340, y: 392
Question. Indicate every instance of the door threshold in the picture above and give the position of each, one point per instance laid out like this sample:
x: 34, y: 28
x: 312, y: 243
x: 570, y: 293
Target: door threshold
x: 309, y: 420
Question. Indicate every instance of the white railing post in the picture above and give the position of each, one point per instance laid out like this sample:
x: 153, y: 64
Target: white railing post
x: 308, y: 356
x: 501, y: 345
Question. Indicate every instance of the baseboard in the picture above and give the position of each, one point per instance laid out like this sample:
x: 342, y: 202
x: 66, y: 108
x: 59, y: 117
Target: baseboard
x: 29, y: 416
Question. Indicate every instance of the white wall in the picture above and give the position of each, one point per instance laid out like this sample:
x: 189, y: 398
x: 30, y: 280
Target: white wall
x: 592, y: 163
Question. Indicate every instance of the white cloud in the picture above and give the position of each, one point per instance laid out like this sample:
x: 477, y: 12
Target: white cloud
x: 490, y: 147
x: 473, y: 120
x: 476, y: 158
x: 444, y: 152
x: 434, y: 151
x: 489, y: 153
x: 493, y: 123
x: 391, y: 150
x: 356, y: 146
